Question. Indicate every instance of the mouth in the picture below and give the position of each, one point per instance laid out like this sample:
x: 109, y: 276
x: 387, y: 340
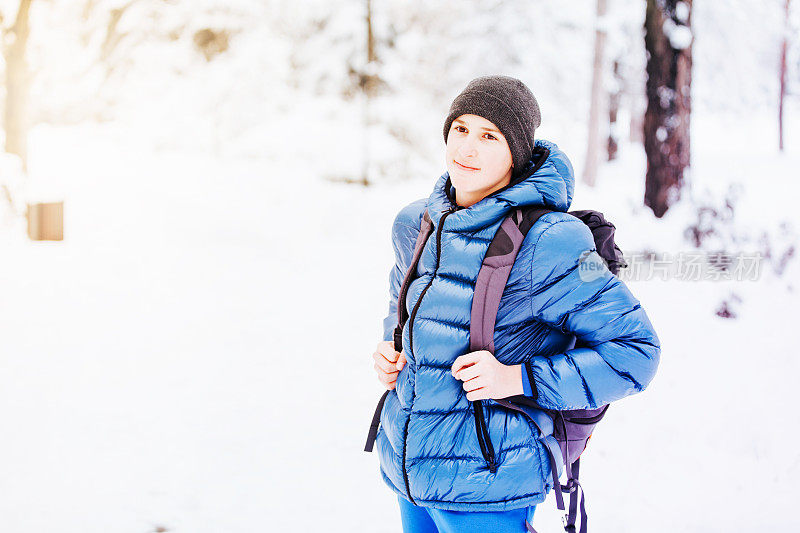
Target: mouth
x: 464, y: 167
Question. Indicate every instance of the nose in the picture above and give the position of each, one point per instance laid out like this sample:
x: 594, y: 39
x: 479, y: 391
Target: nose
x: 467, y: 148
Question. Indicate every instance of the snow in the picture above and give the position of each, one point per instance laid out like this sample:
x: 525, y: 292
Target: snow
x: 603, y: 24
x: 170, y: 362
x: 680, y: 36
x: 682, y: 12
x: 195, y: 355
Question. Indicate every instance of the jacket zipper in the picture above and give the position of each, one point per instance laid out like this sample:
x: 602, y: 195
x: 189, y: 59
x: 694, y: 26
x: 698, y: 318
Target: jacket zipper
x: 410, y: 336
x: 487, y: 450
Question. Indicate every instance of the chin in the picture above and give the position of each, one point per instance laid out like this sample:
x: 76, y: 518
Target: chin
x: 458, y: 179
x: 459, y: 183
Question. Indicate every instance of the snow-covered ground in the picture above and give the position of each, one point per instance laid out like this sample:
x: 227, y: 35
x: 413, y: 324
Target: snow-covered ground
x: 195, y: 355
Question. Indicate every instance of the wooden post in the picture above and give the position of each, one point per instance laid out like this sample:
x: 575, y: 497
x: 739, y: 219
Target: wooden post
x: 46, y: 221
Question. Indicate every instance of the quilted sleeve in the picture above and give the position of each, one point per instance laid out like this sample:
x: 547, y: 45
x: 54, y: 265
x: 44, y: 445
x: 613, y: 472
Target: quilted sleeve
x: 404, y: 236
x: 572, y: 290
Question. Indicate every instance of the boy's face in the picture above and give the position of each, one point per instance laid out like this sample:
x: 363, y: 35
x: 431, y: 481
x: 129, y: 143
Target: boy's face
x: 478, y: 158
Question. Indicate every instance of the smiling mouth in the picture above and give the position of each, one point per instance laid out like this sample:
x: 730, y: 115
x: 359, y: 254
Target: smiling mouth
x: 465, y: 167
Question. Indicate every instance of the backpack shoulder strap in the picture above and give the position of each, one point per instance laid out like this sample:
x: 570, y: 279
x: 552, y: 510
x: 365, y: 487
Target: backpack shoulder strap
x: 491, y: 282
x: 425, y: 230
x: 494, y: 272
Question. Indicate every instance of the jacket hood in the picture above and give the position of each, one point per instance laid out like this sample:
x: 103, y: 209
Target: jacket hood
x: 547, y: 180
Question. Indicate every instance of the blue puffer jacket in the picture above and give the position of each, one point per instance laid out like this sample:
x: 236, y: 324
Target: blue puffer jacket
x: 427, y: 442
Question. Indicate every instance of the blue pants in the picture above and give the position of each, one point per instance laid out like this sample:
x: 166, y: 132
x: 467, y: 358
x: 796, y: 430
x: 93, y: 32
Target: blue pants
x: 418, y: 519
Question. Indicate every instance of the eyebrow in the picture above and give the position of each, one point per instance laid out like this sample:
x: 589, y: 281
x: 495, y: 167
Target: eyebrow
x: 482, y: 127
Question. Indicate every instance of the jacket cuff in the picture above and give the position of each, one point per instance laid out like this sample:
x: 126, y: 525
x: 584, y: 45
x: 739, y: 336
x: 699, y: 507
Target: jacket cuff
x: 528, y: 383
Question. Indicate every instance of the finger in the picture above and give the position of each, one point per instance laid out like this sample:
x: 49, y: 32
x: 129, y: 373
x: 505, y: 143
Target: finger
x: 381, y: 372
x: 477, y: 394
x: 390, y: 360
x: 401, y: 361
x: 470, y: 372
x: 386, y: 366
x: 388, y: 352
x: 386, y: 346
x: 465, y: 360
x: 473, y: 384
x: 387, y: 378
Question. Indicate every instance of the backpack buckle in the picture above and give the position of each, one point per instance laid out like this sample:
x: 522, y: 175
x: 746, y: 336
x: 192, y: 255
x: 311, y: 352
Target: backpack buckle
x: 571, y: 486
x: 398, y: 337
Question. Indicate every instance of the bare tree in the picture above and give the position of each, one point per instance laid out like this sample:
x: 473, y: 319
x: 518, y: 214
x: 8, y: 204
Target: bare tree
x: 784, y: 46
x: 113, y: 35
x: 595, y: 112
x: 15, y: 41
x: 371, y: 85
x: 668, y: 40
x: 368, y: 88
x: 614, y: 99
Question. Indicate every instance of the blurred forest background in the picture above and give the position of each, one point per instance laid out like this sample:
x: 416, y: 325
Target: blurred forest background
x: 348, y: 86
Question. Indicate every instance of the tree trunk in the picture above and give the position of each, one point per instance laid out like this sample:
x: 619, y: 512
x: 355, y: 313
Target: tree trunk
x: 613, y: 108
x: 666, y: 123
x: 16, y: 109
x: 595, y: 112
x: 784, y: 46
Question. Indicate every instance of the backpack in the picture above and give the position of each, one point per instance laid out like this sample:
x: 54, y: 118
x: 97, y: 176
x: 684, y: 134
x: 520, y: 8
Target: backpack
x: 571, y: 429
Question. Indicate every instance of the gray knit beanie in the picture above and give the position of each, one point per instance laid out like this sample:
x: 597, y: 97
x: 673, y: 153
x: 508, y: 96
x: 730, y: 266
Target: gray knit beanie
x: 509, y: 105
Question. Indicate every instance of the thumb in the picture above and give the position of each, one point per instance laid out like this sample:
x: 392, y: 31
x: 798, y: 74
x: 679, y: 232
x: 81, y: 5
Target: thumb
x: 401, y: 361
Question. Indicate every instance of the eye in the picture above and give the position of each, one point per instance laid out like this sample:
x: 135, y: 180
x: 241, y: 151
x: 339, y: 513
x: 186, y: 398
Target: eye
x: 456, y: 127
x: 492, y: 137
